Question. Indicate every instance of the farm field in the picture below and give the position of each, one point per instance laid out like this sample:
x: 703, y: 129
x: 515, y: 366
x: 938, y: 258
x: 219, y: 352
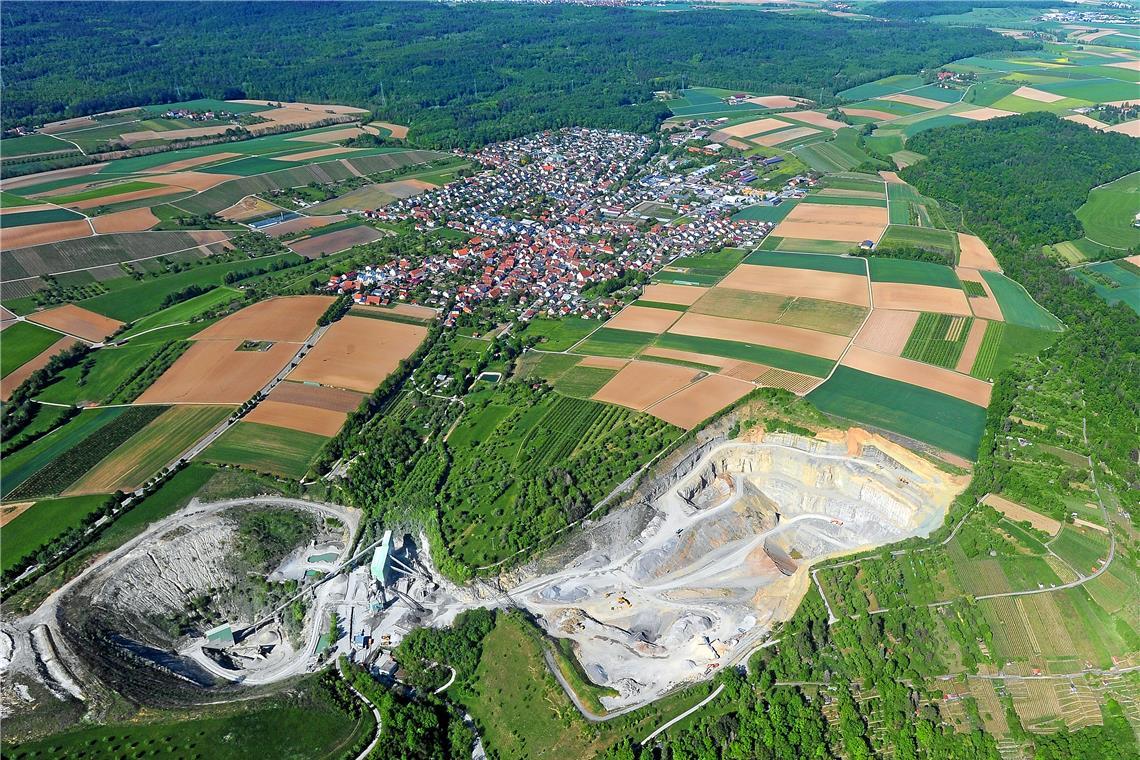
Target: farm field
x: 1114, y: 281
x: 74, y: 320
x: 1016, y: 305
x: 150, y: 449
x: 22, y: 464
x: 560, y: 334
x: 217, y: 372
x: 23, y: 341
x: 357, y: 353
x: 111, y: 370
x: 938, y: 339
x: 265, y: 448
x: 321, y: 243
x: 1108, y: 213
x: 926, y: 238
x: 41, y: 523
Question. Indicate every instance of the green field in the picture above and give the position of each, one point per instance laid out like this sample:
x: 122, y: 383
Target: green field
x: 766, y: 213
x: 22, y: 342
x: 846, y: 201
x: 942, y: 242
x: 930, y: 341
x: 845, y: 265
x: 708, y: 101
x: 11, y: 200
x: 801, y: 245
x: 810, y: 313
x: 850, y: 182
x: 47, y: 216
x: 1114, y: 281
x: 1108, y: 214
x: 18, y: 466
x: 559, y: 334
x: 729, y: 349
x: 1081, y: 548
x: 714, y: 263
x: 27, y: 145
x: 913, y: 272
x: 105, y: 191
x: 1017, y: 306
x: 886, y: 86
x: 149, y: 450
x: 835, y: 155
x: 988, y: 352
x: 266, y: 448
x: 549, y: 367
x: 610, y: 341
x: 1092, y: 90
x: 42, y: 523
x: 180, y: 312
x: 928, y: 416
x: 583, y: 382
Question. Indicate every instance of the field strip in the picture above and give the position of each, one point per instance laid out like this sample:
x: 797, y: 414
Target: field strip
x: 126, y: 261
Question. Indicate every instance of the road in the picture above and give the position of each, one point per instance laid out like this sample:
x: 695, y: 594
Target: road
x: 375, y: 714
x: 682, y: 716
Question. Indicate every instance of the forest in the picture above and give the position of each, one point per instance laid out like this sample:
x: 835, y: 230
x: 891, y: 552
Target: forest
x: 428, y: 65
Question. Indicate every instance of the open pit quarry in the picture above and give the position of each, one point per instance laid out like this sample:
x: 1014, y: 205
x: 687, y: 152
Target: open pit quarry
x: 687, y: 577
x: 724, y: 554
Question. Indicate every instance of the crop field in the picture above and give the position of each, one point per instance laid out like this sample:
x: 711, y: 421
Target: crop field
x: 1082, y: 548
x: 1114, y: 281
x: 713, y: 263
x: 847, y: 223
x: 41, y: 523
x: 925, y: 415
x: 216, y: 372
x: 1017, y: 306
x: 28, y: 145
x: 322, y: 243
x: 708, y: 101
x: 150, y: 449
x: 807, y: 261
x: 22, y: 464
x: 780, y: 336
x: 357, y: 353
x: 74, y: 320
x: 640, y: 384
x: 804, y: 245
x: 265, y: 448
x: 608, y: 341
x: 927, y: 238
x: 772, y: 357
x: 691, y: 405
x: 559, y: 334
x: 46, y: 216
x: 845, y: 200
x: 810, y: 313
x: 938, y: 339
x: 985, y: 361
x: 887, y: 86
x: 181, y: 312
x: 61, y: 471
x: 23, y: 341
x: 838, y: 154
x: 583, y: 382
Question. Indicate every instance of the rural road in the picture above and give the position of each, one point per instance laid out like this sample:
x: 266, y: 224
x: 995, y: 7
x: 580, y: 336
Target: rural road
x: 364, y: 753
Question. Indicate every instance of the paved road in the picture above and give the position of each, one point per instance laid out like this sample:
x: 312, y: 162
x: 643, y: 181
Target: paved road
x: 375, y: 714
x: 684, y: 715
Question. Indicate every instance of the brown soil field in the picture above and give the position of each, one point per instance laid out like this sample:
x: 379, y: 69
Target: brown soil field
x: 23, y: 209
x: 9, y: 512
x: 192, y: 180
x: 603, y: 362
x: 738, y: 144
x: 1130, y: 128
x: 296, y: 417
x: 170, y: 135
x: 756, y: 127
x: 643, y: 319
x: 975, y: 254
x: 292, y: 318
x: 37, y: 234
x: 815, y: 118
x: 789, y: 381
x: 1039, y: 95
x: 189, y: 163
x: 247, y: 208
x: 208, y: 237
x: 986, y: 308
x: 5, y: 314
x: 414, y: 310
x: 745, y: 371
x: 332, y: 136
x: 687, y: 408
x: 319, y: 153
x: 775, y: 138
x: 808, y: 313
x: 302, y: 224
x: 915, y: 100
x: 641, y: 384
x: 970, y: 349
x: 1080, y: 118
x: 133, y: 220
x: 685, y: 295
x: 819, y: 221
x: 324, y: 109
x: 916, y: 373
x: 805, y: 283
x: 831, y: 192
x: 74, y: 320
x: 985, y: 114
x: 1095, y: 35
x: 66, y: 125
x: 16, y: 183
x: 405, y: 188
x: 870, y: 113
x: 907, y: 297
x: 777, y: 101
x: 892, y: 177
x: 398, y: 131
x: 107, y: 200
x: 1135, y: 260
x: 887, y: 331
x: 1130, y: 65
x: 1017, y: 513
x: 316, y: 396
x: 215, y: 372
x: 764, y: 333
x: 25, y: 370
x: 358, y: 353
x: 689, y: 356
x: 333, y: 242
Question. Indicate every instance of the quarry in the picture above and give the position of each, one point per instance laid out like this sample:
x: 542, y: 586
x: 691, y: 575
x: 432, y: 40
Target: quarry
x: 687, y: 577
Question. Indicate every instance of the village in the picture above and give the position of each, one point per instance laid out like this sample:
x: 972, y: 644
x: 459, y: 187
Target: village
x: 554, y: 214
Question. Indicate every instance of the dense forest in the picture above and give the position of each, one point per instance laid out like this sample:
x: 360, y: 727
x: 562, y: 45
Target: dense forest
x: 459, y: 75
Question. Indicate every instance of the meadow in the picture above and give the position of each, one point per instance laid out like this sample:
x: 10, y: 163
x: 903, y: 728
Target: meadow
x: 1108, y: 213
x: 913, y: 273
x: 24, y: 341
x: 265, y: 448
x: 1017, y: 307
x: 42, y: 523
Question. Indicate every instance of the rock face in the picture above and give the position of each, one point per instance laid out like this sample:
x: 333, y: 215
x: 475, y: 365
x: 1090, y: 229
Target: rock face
x: 725, y: 550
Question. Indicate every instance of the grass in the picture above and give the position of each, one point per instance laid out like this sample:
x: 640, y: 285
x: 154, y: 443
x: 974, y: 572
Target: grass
x: 845, y: 265
x: 931, y: 340
x: 886, y: 86
x: 773, y: 357
x: 913, y: 272
x: 549, y: 367
x: 559, y: 334
x: 103, y: 192
x: 42, y: 523
x: 47, y: 216
x: 1114, y: 282
x: 23, y: 342
x: 28, y: 145
x: 610, y: 341
x: 858, y: 184
x: 846, y: 201
x: 1017, y: 307
x: 130, y: 465
x: 305, y: 725
x: 766, y: 213
x: 11, y: 200
x: 986, y: 358
x: 715, y: 263
x: 1080, y: 549
x: 110, y: 367
x: 265, y: 448
x: 925, y: 415
x: 1108, y: 213
x: 802, y: 245
x: 181, y: 312
x: 938, y: 241
x: 583, y: 382
x: 145, y: 297
x: 1016, y: 340
x: 20, y: 465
